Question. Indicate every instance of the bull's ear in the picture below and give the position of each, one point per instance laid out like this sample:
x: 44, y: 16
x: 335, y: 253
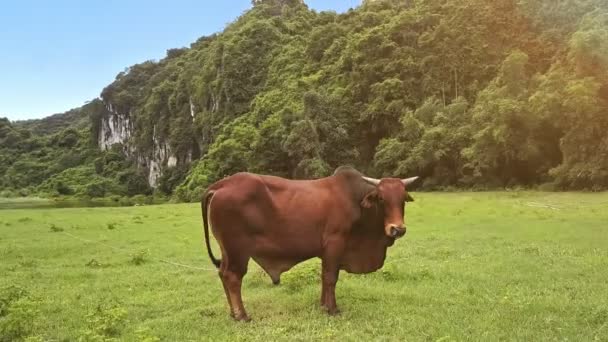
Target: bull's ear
x: 369, y: 199
x: 408, y: 198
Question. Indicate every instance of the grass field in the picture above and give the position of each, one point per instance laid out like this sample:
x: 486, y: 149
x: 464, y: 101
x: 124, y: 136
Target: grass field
x: 474, y: 266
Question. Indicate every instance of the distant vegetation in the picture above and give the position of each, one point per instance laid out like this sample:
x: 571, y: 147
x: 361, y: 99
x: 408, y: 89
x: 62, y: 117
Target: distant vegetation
x: 56, y: 156
x: 473, y: 94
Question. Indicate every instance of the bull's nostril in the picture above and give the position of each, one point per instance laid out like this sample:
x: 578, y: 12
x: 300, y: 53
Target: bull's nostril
x: 396, y: 231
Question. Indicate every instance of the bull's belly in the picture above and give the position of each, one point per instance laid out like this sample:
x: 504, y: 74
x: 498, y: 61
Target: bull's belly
x: 276, y: 255
x: 289, y: 249
x: 275, y: 267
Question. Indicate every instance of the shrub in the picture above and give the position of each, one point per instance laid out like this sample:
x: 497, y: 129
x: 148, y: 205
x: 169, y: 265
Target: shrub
x: 135, y: 182
x: 141, y: 199
x: 125, y: 201
x: 143, y: 335
x: 171, y: 178
x: 7, y: 193
x: 139, y: 257
x: 104, y: 323
x: 302, y: 275
x: 549, y: 187
x: 93, y: 263
x: 17, y: 312
x: 389, y: 272
x: 55, y: 228
x: 67, y: 138
x: 95, y: 189
x: 24, y: 192
x: 63, y: 189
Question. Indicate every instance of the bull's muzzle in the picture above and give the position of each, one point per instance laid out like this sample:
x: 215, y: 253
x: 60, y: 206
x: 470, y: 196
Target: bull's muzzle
x: 396, y: 231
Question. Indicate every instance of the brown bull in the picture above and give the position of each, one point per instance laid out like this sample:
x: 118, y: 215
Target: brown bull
x: 346, y: 219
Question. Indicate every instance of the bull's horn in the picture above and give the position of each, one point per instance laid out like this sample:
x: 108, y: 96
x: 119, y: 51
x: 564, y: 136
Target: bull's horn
x: 408, y: 181
x: 372, y: 181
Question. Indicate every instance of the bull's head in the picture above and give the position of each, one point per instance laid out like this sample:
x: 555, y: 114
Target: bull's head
x: 390, y: 195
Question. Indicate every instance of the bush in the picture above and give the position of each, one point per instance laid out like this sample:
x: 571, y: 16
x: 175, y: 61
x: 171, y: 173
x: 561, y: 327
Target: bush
x: 55, y: 228
x: 143, y: 335
x: 63, y: 189
x: 125, y: 201
x: 171, y: 178
x: 7, y: 194
x: 139, y: 257
x: 304, y: 274
x: 141, y: 199
x: 549, y: 187
x: 135, y: 182
x: 95, y: 189
x: 69, y: 160
x: 93, y: 263
x: 24, y: 192
x: 105, y: 323
x: 158, y: 197
x: 17, y: 312
x: 67, y: 138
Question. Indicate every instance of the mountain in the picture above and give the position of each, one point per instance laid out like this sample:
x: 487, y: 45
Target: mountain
x: 76, y: 118
x: 463, y: 93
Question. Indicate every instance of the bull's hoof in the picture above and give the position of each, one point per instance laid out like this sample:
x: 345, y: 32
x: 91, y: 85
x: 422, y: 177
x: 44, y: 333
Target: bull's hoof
x: 245, y: 319
x: 240, y: 318
x: 331, y: 311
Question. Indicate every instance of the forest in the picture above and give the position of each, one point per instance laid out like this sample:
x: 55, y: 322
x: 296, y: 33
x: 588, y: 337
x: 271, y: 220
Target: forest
x: 467, y: 94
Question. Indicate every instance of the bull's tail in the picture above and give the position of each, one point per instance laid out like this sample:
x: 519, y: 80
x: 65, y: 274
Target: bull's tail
x: 204, y: 206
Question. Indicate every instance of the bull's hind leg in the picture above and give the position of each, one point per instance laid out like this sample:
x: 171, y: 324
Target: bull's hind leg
x: 232, y: 278
x: 221, y: 274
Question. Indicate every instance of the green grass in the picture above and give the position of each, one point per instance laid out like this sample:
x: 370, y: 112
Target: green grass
x: 473, y: 266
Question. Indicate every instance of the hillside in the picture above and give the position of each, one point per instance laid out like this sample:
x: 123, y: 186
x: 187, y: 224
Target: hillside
x: 472, y: 94
x: 76, y: 118
x: 58, y: 156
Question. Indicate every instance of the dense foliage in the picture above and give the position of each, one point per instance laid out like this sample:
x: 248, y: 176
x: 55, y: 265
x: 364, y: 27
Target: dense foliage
x: 463, y: 93
x: 56, y: 156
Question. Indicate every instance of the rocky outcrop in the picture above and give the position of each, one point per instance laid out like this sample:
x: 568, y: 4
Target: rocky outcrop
x: 117, y: 128
x: 161, y: 158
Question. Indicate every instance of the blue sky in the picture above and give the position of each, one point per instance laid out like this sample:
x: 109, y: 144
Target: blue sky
x: 55, y: 55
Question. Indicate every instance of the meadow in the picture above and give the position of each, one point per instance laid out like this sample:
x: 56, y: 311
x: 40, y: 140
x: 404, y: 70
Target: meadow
x: 520, y: 266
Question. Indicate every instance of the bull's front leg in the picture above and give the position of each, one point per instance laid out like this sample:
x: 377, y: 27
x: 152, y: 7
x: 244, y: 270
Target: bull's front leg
x: 332, y: 253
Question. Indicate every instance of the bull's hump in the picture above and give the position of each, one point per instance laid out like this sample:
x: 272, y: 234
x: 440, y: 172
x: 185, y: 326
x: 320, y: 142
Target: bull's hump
x: 346, y: 170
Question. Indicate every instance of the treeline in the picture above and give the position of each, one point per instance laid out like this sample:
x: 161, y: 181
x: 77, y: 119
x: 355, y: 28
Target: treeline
x: 465, y: 93
x: 57, y: 156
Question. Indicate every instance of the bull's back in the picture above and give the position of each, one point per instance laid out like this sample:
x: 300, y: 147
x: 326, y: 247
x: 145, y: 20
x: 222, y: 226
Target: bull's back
x: 273, y: 215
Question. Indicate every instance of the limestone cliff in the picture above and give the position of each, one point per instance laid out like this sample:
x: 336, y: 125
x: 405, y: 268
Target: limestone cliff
x: 117, y: 128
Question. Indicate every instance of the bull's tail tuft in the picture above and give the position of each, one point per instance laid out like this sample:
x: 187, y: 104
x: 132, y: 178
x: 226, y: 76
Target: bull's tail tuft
x: 204, y: 206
